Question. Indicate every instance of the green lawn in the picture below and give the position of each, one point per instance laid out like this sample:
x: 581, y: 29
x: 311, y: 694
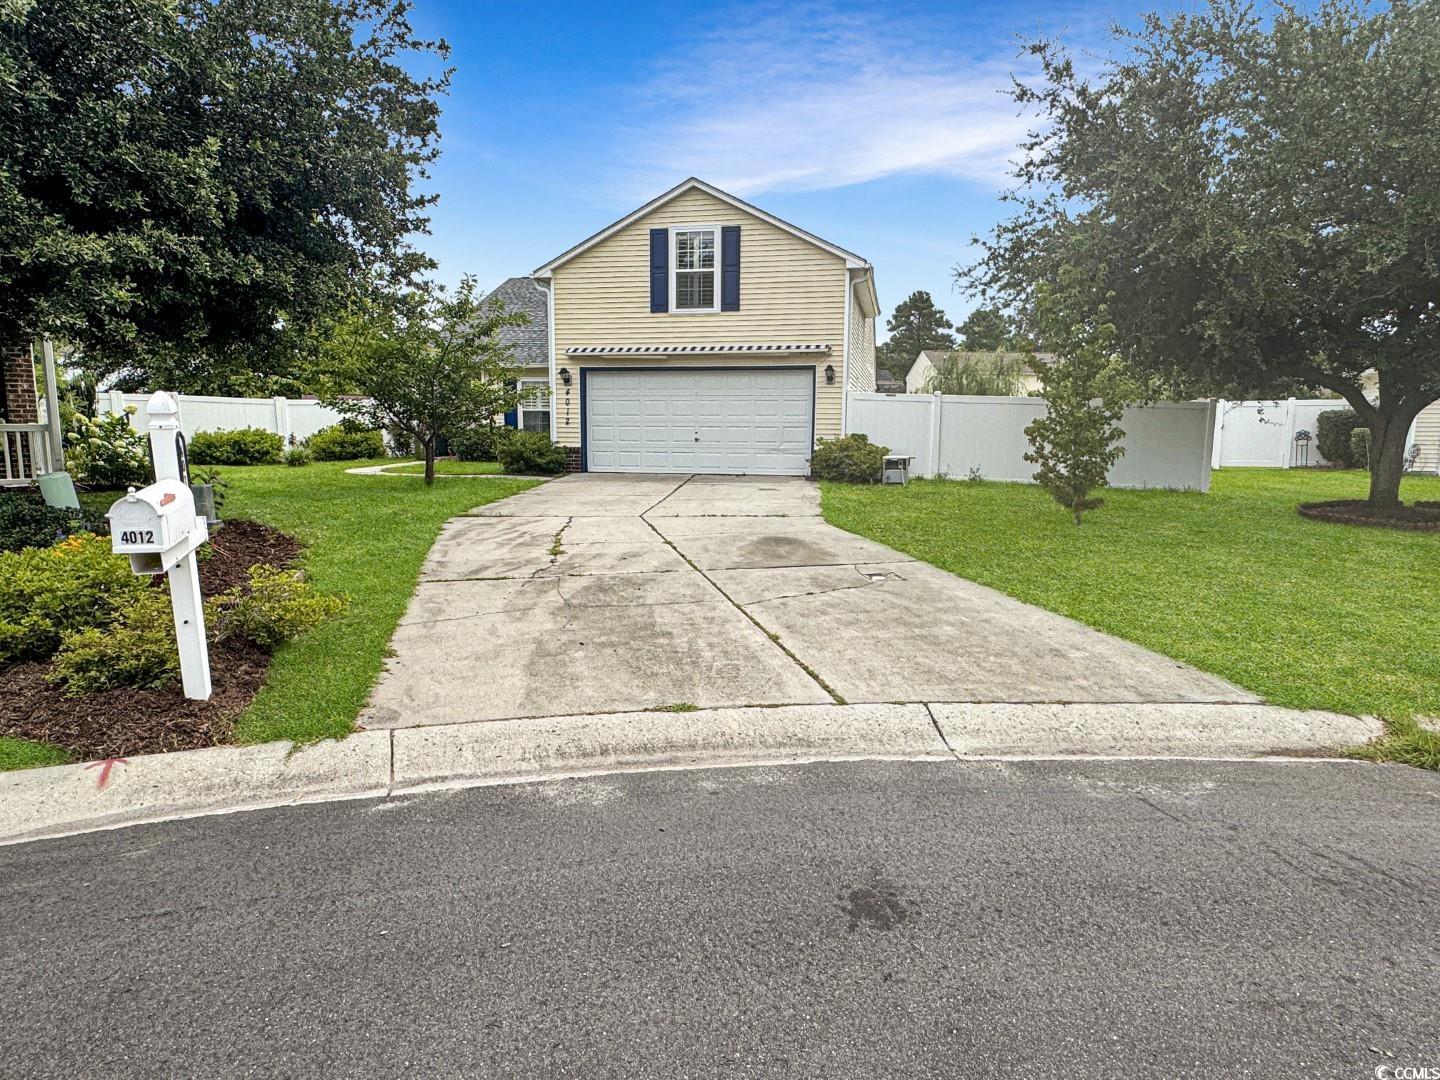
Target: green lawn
x: 1234, y: 582
x: 27, y: 754
x: 451, y: 467
x: 366, y: 537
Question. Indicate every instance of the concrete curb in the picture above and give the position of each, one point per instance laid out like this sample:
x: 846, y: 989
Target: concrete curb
x: 66, y: 799
x: 1187, y: 729
x: 506, y: 751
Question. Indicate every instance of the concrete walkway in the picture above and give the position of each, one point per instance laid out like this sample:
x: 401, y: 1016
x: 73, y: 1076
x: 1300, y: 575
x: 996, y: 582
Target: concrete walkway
x: 614, y: 593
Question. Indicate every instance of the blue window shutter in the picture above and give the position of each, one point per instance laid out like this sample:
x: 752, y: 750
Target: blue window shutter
x: 730, y: 268
x: 659, y: 269
x: 512, y: 416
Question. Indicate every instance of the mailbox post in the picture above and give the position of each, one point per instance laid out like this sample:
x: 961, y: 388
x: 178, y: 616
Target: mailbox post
x: 158, y: 529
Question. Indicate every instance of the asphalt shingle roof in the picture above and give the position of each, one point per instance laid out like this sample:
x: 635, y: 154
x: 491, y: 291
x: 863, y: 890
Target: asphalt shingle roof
x: 530, y: 343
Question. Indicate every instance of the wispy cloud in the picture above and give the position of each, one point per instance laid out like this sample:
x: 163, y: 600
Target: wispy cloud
x: 810, y: 97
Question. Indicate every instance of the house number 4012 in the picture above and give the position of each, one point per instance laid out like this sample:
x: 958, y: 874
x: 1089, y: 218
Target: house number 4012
x: 138, y: 536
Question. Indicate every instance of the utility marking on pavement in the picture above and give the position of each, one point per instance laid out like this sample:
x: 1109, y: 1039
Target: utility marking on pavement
x: 105, y: 766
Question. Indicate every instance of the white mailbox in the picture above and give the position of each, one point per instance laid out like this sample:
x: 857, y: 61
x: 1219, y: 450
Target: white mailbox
x: 156, y: 526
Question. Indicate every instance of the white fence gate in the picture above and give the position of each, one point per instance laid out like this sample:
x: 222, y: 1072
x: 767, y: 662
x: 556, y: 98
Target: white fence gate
x: 1167, y: 445
x: 1262, y: 433
x: 300, y: 417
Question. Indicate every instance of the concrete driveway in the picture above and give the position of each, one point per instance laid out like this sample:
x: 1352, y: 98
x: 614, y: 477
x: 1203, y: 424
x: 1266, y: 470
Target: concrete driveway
x: 612, y: 593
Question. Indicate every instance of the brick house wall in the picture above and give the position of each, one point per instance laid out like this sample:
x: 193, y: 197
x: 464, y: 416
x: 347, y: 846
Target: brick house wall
x: 19, y: 402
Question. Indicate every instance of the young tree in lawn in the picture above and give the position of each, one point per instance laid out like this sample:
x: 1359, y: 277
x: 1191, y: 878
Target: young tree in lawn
x: 187, y: 187
x: 1255, y: 194
x: 427, y: 364
x: 916, y: 324
x: 1076, y: 442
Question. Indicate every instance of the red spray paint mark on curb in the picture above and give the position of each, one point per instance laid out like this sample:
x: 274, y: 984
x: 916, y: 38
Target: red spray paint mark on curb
x: 105, y: 767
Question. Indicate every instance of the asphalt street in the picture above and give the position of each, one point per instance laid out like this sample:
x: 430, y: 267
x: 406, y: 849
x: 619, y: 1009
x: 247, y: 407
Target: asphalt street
x: 1038, y: 919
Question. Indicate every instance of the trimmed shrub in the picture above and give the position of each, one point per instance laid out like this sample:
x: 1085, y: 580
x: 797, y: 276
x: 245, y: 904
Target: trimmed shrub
x: 531, y: 452
x: 242, y: 446
x: 48, y: 592
x: 27, y: 521
x: 1360, y: 448
x: 1332, y: 436
x: 278, y: 605
x: 136, y: 650
x: 479, y: 443
x: 346, y: 441
x: 108, y: 452
x: 853, y: 459
x: 298, y: 456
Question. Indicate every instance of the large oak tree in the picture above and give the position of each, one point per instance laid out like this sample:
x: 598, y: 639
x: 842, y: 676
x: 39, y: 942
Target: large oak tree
x: 1255, y: 198
x: 187, y: 186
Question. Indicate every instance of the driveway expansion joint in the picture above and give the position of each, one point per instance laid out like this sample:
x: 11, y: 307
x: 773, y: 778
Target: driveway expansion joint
x: 774, y: 637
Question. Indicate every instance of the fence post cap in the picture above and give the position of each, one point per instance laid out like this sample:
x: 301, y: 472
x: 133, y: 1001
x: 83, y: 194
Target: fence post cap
x: 161, y: 408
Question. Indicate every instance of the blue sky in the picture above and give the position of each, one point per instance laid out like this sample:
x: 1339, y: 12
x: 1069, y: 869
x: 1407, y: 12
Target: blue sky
x: 881, y: 127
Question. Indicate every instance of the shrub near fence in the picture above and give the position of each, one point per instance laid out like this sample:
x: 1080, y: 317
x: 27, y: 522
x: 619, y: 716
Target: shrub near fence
x: 1332, y: 436
x: 247, y: 446
x: 346, y: 442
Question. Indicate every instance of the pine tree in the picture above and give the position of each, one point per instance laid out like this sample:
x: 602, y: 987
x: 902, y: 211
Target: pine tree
x: 915, y: 325
x: 985, y: 329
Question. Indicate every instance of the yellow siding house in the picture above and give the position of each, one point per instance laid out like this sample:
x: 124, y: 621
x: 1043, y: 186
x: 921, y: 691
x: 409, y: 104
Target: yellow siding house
x: 700, y: 334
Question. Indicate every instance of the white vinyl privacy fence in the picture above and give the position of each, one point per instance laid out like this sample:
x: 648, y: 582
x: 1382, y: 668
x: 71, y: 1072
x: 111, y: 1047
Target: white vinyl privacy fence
x: 300, y: 417
x: 1269, y: 434
x: 1167, y: 445
x: 1263, y: 433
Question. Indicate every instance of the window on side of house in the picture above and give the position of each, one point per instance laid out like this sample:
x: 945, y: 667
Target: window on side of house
x: 694, y: 285
x: 535, y: 406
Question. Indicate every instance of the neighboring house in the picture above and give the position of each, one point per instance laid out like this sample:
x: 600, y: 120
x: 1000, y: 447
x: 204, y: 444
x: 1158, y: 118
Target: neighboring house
x: 702, y: 334
x: 29, y: 441
x: 886, y: 383
x: 530, y: 345
x: 1426, y: 434
x: 924, y: 368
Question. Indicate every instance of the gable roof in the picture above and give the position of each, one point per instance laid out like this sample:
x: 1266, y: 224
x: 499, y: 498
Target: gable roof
x: 695, y: 184
x: 530, y: 344
x: 976, y: 359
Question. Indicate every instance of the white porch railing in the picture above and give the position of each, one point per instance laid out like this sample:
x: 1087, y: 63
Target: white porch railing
x: 24, y: 453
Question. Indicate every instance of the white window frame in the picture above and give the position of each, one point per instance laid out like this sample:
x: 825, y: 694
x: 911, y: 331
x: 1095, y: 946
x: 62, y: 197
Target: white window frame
x: 534, y: 385
x: 673, y: 306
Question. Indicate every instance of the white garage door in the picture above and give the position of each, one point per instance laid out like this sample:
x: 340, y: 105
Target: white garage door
x: 737, y: 420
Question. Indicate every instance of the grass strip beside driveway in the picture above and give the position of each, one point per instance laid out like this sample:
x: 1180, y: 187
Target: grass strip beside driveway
x: 366, y: 537
x: 1306, y: 614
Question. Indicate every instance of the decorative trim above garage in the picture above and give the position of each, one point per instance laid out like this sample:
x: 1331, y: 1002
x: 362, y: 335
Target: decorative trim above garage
x: 689, y: 350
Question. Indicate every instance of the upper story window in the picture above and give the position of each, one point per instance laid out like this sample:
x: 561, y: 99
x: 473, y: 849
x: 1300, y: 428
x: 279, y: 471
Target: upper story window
x: 694, y: 284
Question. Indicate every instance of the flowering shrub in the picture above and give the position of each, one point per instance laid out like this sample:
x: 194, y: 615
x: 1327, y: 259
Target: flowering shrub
x: 107, y: 452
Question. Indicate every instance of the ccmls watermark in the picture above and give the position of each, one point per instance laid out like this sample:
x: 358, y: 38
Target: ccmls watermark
x: 1407, y: 1072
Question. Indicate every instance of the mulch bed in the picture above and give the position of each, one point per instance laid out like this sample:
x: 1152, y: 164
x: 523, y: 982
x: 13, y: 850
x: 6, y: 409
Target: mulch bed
x: 1416, y: 517
x: 120, y: 722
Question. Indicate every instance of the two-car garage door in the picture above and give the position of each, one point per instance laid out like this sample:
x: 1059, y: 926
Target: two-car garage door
x: 732, y: 420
